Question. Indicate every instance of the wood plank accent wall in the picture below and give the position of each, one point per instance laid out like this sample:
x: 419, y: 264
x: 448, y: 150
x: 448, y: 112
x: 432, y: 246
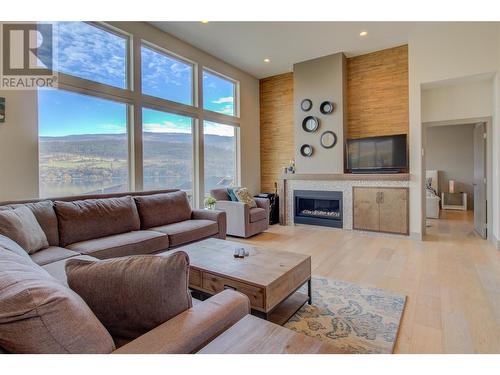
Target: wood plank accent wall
x: 377, y: 93
x: 277, y: 145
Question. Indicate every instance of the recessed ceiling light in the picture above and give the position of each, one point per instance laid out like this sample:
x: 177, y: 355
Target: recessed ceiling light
x: 267, y: 60
x: 204, y: 21
x: 363, y: 33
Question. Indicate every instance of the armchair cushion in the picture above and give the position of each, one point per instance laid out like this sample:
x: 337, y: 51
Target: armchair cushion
x: 257, y: 214
x: 132, y: 295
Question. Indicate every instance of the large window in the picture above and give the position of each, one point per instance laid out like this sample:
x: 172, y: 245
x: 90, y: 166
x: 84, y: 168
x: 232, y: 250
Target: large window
x: 220, y: 155
x: 90, y: 52
x: 166, y: 77
x: 114, y: 126
x: 168, y: 151
x: 83, y: 146
x: 219, y: 94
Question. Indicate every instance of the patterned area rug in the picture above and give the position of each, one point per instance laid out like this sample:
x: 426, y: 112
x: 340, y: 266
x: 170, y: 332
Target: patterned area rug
x: 356, y: 319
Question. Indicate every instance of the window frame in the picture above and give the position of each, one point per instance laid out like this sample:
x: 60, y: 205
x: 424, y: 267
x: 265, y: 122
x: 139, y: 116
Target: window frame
x: 236, y: 92
x: 136, y: 100
x: 70, y: 79
x: 172, y: 55
x: 128, y: 127
x: 193, y: 130
x: 237, y: 153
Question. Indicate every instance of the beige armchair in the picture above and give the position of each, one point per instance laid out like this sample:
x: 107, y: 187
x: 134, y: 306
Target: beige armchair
x: 242, y: 221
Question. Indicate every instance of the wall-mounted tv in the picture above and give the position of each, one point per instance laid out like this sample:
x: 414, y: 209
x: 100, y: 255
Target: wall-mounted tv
x: 386, y: 154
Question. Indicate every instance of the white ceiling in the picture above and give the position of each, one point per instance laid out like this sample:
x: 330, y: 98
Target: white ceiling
x: 246, y: 44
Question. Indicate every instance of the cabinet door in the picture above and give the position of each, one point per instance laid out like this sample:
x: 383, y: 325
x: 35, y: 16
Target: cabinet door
x: 394, y: 210
x: 365, y: 209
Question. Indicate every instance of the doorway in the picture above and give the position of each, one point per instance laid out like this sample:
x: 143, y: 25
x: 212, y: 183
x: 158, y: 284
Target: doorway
x: 456, y: 179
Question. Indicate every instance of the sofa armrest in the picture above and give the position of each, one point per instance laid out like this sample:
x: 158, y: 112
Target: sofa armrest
x: 194, y: 328
x: 218, y: 216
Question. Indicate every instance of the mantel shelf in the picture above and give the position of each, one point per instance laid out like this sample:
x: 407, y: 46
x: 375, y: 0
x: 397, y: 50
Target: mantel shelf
x: 347, y: 177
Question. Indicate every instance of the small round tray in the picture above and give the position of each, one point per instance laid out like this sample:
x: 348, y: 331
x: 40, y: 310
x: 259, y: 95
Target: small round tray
x: 328, y: 139
x: 326, y: 107
x: 306, y: 150
x: 310, y: 124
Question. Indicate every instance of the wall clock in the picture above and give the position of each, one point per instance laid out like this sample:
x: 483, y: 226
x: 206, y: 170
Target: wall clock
x: 310, y: 124
x: 326, y: 107
x: 306, y: 150
x: 306, y: 105
x: 328, y: 139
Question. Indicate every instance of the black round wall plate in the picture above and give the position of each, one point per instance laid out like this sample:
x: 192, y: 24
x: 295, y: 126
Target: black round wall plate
x: 326, y: 107
x: 310, y: 124
x: 306, y: 150
x: 328, y: 139
x: 306, y: 105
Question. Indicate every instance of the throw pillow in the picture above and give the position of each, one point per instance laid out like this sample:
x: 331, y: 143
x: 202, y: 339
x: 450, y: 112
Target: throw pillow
x: 39, y: 315
x: 232, y: 193
x: 20, y: 225
x: 132, y: 295
x: 6, y: 244
x: 244, y: 196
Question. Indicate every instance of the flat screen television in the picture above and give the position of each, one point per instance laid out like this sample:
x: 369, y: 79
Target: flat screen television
x: 385, y: 154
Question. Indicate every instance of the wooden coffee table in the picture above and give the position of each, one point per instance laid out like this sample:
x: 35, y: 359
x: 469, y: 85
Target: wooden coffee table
x: 252, y: 335
x: 269, y: 278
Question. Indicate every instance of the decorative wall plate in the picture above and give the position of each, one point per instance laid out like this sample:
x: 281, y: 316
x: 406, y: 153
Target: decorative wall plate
x: 328, y: 139
x: 310, y: 124
x: 306, y: 150
x: 306, y: 105
x: 326, y: 107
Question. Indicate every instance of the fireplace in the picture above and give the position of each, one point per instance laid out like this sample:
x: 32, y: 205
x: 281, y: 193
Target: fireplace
x: 318, y: 208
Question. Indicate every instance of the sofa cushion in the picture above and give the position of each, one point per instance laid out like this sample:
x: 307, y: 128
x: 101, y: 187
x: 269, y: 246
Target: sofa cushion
x: 119, y: 245
x: 52, y: 254
x: 188, y: 231
x: 95, y: 218
x: 244, y: 196
x: 58, y: 269
x: 6, y: 244
x: 257, y: 214
x: 46, y: 217
x: 20, y: 225
x: 132, y: 295
x: 161, y: 209
x: 40, y: 315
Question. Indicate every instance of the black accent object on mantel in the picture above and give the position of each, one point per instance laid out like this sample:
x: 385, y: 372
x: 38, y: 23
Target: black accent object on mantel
x: 318, y: 208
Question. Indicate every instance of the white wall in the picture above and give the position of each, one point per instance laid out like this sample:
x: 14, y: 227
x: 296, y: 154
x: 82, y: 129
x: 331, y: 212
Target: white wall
x: 450, y: 150
x: 458, y: 100
x: 439, y: 52
x: 19, y: 135
x: 19, y: 146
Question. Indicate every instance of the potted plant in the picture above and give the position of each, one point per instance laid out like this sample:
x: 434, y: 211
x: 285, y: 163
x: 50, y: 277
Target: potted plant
x: 210, y: 202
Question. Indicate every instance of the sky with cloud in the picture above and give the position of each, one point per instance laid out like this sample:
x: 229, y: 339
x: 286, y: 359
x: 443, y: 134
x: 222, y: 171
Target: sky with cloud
x: 91, y: 53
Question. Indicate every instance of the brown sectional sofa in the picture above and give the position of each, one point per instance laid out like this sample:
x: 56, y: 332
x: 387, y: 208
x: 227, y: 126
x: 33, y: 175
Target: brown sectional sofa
x: 114, y: 225
x: 109, y: 226
x: 40, y: 314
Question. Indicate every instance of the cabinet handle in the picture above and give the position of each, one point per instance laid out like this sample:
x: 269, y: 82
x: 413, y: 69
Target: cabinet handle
x: 381, y: 197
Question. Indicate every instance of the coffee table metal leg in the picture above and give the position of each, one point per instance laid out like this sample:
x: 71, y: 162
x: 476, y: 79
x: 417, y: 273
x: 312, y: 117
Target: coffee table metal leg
x: 309, y: 291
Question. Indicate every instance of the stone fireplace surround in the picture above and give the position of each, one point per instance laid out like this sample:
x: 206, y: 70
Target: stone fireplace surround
x: 341, y: 182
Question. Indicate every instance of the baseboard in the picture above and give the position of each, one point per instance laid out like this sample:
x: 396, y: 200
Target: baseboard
x: 495, y: 241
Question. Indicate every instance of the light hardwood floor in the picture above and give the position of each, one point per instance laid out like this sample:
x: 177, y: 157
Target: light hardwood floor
x: 452, y: 279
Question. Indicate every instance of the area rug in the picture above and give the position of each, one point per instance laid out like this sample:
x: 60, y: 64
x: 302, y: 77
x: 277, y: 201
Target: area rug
x: 354, y: 318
